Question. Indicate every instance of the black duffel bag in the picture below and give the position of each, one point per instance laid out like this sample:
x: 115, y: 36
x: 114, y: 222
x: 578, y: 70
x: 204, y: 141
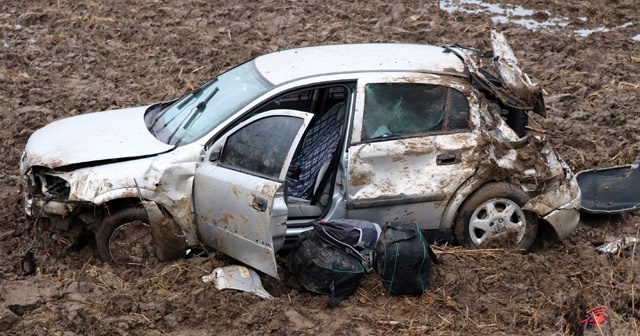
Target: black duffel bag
x: 403, y: 259
x: 331, y: 258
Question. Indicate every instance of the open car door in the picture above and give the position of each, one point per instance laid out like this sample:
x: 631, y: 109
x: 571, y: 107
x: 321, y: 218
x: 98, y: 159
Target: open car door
x: 239, y: 195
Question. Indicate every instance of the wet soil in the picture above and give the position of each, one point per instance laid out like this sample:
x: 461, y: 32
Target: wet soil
x: 60, y: 58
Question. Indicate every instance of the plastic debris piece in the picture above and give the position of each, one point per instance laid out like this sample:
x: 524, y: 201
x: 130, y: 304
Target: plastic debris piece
x: 594, y: 317
x: 618, y: 244
x: 239, y: 278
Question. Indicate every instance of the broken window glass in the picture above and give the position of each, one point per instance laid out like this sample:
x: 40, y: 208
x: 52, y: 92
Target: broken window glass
x: 397, y: 109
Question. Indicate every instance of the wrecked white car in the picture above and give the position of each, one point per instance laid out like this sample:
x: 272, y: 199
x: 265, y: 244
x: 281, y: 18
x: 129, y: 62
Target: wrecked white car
x: 437, y: 135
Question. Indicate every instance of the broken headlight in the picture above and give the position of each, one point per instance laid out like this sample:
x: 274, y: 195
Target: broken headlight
x: 44, y: 184
x: 42, y: 187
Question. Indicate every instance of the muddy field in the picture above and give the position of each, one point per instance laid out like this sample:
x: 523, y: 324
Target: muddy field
x: 60, y: 58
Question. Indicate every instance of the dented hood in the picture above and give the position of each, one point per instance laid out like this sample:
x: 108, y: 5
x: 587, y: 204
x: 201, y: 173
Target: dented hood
x: 97, y: 136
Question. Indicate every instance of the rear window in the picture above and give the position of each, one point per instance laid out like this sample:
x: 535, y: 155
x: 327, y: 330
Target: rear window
x: 400, y: 109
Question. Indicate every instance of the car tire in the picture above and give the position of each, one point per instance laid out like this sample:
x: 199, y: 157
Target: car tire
x: 124, y: 237
x: 492, y: 217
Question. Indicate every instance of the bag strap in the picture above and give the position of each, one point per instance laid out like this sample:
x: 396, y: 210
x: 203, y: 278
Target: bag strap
x: 413, y: 232
x: 432, y: 255
x: 365, y: 259
x: 333, y: 300
x: 295, y: 247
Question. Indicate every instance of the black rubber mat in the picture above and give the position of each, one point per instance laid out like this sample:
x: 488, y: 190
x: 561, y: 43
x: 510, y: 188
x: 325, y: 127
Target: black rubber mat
x: 610, y: 190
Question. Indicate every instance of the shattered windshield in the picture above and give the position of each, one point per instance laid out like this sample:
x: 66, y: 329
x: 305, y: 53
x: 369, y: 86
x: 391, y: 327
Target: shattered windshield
x: 199, y: 111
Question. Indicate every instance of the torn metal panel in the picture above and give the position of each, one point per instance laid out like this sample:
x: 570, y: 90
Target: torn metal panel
x: 170, y: 242
x: 512, y: 77
x: 537, y: 169
x: 565, y: 218
x: 560, y: 207
x: 498, y: 72
x: 530, y: 162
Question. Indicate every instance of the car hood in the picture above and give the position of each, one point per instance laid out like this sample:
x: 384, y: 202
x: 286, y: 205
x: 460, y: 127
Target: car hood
x: 98, y: 136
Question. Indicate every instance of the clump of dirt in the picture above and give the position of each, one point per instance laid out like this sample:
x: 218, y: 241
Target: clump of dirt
x: 63, y: 58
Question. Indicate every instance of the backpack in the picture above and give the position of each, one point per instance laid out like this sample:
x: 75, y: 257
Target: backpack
x: 403, y: 259
x: 331, y: 258
x: 355, y: 237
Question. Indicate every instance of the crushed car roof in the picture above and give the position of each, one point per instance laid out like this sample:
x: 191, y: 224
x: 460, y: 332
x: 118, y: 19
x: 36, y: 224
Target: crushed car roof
x: 283, y: 66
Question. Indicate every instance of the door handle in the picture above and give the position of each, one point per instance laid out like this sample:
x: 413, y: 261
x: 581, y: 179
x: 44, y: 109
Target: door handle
x: 448, y: 158
x: 259, y: 204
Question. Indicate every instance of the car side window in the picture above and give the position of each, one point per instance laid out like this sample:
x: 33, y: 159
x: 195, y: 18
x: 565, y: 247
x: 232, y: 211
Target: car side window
x: 398, y: 109
x: 261, y: 147
x: 298, y: 100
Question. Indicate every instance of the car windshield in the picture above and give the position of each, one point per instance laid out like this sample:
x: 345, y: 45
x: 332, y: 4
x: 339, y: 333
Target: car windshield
x: 199, y: 111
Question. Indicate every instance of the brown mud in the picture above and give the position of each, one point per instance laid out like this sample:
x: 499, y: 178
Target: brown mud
x: 60, y: 58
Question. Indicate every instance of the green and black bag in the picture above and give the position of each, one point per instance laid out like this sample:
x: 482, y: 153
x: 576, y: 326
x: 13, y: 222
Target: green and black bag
x: 403, y: 259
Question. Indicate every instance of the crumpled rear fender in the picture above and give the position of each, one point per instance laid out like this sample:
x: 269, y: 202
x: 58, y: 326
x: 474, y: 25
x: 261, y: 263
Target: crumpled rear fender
x: 559, y: 207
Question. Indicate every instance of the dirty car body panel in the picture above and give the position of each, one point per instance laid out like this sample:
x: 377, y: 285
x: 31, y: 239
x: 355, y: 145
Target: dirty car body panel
x: 417, y: 130
x: 238, y: 196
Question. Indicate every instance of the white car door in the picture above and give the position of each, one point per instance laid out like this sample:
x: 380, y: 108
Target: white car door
x: 411, y: 148
x: 239, y: 201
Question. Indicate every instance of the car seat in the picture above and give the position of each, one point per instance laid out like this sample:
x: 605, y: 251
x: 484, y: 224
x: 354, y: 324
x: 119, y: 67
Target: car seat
x: 316, y: 152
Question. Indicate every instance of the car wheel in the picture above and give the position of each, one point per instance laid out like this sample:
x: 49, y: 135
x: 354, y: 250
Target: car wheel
x: 125, y: 237
x: 492, y: 217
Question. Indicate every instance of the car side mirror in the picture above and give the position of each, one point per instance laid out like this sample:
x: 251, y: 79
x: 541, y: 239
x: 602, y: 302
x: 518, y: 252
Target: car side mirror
x: 215, y: 154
